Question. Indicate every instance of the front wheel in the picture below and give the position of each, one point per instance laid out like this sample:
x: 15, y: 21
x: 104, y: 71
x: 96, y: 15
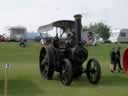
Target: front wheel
x: 93, y: 71
x: 66, y: 72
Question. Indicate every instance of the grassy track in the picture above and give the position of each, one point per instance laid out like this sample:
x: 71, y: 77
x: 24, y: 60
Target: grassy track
x: 24, y: 77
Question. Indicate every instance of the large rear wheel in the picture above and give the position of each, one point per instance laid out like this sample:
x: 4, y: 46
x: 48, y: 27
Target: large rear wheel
x: 46, y: 66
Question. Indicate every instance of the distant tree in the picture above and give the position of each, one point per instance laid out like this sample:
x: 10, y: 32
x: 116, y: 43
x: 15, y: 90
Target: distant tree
x: 101, y: 30
x: 85, y: 28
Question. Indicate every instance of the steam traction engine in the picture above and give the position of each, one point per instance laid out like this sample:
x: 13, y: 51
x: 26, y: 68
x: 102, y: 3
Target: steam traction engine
x: 65, y: 52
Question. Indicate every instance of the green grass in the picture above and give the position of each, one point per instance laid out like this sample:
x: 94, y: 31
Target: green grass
x: 24, y: 77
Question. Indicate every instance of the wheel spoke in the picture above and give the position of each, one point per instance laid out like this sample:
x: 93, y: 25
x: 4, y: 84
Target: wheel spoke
x: 44, y: 60
x: 93, y: 64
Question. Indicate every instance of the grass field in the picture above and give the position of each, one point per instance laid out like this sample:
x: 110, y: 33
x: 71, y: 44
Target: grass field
x: 24, y: 77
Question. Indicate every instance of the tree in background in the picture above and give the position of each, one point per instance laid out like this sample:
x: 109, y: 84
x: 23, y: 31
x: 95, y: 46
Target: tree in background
x: 100, y: 29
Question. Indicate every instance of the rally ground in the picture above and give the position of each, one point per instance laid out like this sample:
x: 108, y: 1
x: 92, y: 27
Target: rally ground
x: 24, y: 77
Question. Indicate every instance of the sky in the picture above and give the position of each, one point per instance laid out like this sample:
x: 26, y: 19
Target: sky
x: 34, y: 13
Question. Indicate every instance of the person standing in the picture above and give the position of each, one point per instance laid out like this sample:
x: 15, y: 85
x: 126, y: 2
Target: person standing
x: 112, y: 60
x: 22, y: 43
x: 117, y: 56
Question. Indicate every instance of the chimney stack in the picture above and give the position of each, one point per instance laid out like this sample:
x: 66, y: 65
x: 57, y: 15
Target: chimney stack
x: 78, y: 27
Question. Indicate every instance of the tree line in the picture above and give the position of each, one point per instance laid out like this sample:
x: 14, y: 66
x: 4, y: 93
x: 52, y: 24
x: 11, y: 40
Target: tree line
x: 100, y: 29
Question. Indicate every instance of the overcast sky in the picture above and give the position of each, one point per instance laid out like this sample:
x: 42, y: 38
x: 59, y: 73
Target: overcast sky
x: 33, y: 13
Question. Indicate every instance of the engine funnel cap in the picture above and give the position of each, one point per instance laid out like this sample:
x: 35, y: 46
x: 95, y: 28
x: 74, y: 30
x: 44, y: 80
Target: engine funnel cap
x: 78, y: 16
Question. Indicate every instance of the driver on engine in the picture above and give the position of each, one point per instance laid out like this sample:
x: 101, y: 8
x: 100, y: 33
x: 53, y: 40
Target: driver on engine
x: 70, y: 38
